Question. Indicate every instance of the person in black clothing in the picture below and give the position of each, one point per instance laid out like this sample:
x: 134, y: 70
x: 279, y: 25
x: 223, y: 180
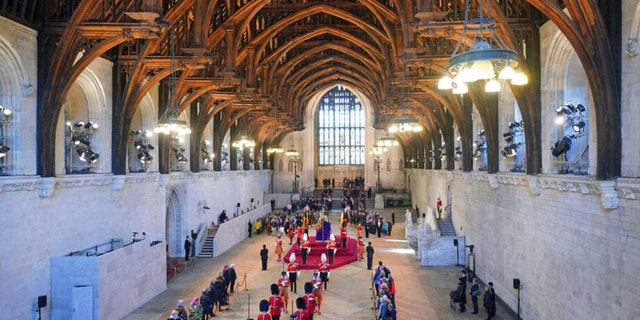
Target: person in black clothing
x: 393, y: 218
x: 369, y: 256
x: 194, y: 236
x: 264, y: 256
x: 207, y: 304
x: 474, y: 292
x: 232, y: 278
x: 220, y: 296
x: 461, y: 295
x: 187, y: 248
x: 462, y: 290
x: 250, y: 228
x: 489, y: 301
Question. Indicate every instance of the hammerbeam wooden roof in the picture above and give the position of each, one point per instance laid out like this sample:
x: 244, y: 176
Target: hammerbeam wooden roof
x: 262, y: 60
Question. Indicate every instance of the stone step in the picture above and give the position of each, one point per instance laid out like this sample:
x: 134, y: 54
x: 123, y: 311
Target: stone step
x: 207, y: 248
x: 446, y: 228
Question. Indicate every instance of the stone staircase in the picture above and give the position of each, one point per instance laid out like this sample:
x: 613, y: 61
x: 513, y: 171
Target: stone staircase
x: 446, y: 228
x: 207, y: 248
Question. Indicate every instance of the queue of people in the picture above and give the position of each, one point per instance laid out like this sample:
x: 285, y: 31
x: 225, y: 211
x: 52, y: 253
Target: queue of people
x: 459, y: 296
x: 385, y: 293
x: 213, y: 298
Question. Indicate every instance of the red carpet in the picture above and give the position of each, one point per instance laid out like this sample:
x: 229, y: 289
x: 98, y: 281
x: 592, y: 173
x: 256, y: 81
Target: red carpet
x: 342, y: 257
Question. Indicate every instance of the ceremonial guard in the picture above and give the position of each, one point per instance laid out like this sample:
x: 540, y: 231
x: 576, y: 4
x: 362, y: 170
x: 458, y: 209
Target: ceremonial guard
x: 361, y: 246
x: 264, y: 308
x: 305, y: 248
x: 299, y: 234
x: 294, y: 272
x: 310, y: 299
x: 290, y: 234
x: 275, y: 302
x: 317, y: 290
x: 301, y: 313
x: 305, y: 223
x: 360, y: 230
x: 343, y: 234
x: 279, y: 247
x: 325, y: 272
x: 331, y: 248
x: 283, y: 287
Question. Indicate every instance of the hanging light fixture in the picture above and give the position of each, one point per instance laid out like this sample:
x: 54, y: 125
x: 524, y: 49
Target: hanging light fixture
x: 170, y: 122
x: 387, y: 142
x: 481, y: 61
x: 404, y: 123
x: 292, y: 152
x: 243, y: 141
x: 276, y: 148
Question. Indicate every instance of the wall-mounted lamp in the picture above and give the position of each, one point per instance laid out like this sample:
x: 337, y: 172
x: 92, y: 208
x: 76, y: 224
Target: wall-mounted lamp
x: 6, y: 113
x: 562, y: 145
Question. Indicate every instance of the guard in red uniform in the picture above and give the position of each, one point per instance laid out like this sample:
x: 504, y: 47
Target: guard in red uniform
x: 294, y: 272
x: 305, y: 248
x: 299, y: 235
x: 290, y: 235
x: 361, y: 246
x: 316, y: 281
x: 283, y: 290
x: 331, y: 248
x: 264, y: 308
x: 275, y: 303
x: 325, y: 272
x: 310, y: 299
x: 301, y: 313
x: 360, y: 230
x: 279, y: 247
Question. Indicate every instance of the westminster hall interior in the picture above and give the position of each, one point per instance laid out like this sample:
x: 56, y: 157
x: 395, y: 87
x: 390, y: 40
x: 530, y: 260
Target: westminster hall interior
x: 128, y: 125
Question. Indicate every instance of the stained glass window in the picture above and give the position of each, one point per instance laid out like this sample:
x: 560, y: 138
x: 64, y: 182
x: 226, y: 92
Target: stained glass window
x: 340, y: 128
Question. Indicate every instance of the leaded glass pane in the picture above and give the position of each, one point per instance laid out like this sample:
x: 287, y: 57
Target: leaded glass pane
x: 340, y: 128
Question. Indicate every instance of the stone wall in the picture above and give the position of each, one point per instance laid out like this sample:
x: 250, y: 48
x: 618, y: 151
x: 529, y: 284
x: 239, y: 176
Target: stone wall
x: 43, y: 218
x: 120, y: 280
x: 576, y: 258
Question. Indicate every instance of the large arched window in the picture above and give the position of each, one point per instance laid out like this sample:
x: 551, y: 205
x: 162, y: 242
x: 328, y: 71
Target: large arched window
x: 340, y: 128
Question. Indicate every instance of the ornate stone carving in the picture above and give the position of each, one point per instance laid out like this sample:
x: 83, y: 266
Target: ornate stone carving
x: 493, y: 181
x: 164, y: 179
x: 532, y: 183
x: 632, y: 51
x: 117, y: 182
x: 608, y: 194
x: 47, y: 185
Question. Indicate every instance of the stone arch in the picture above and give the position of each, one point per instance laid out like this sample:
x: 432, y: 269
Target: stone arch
x: 84, y: 102
x: 174, y: 220
x: 561, y: 61
x: 145, y: 117
x: 14, y: 85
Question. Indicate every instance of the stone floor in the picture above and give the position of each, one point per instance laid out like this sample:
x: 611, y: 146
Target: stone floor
x: 422, y: 292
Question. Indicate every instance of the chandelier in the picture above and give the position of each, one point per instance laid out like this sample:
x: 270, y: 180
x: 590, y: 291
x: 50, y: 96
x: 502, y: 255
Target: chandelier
x: 243, y: 141
x: 292, y: 152
x: 276, y: 148
x: 387, y: 142
x: 404, y: 124
x: 378, y: 152
x: 481, y: 61
x: 170, y: 122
